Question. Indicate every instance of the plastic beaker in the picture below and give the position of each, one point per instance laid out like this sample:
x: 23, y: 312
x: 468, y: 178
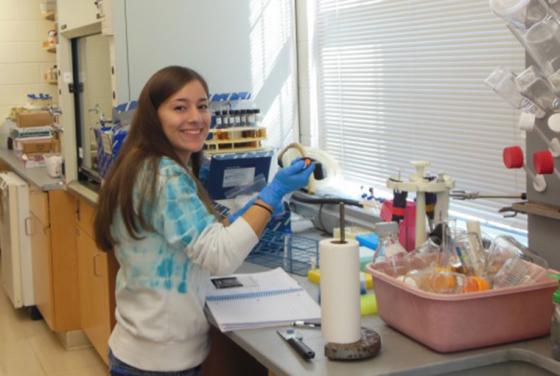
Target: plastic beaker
x: 535, y: 87
x: 543, y: 43
x: 499, y: 252
x: 554, y: 5
x: 521, y: 14
x: 502, y: 82
x: 476, y: 284
x: 468, y: 247
x: 504, y: 247
x: 54, y: 165
x: 427, y: 254
x: 512, y: 273
x: 440, y: 282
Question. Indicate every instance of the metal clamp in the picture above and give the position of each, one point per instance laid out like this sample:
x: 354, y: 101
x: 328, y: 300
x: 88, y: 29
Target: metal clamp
x: 508, y: 209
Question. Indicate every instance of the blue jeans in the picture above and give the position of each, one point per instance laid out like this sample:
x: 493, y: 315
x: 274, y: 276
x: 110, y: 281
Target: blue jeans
x: 120, y: 368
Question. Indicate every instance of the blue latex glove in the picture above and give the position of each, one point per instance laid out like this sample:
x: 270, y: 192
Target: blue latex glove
x: 232, y: 217
x: 287, y: 180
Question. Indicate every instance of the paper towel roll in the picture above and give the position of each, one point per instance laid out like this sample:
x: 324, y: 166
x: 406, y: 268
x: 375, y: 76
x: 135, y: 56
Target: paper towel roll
x: 340, y: 290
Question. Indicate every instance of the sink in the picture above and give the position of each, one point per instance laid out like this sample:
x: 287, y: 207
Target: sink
x: 507, y: 362
x: 507, y: 368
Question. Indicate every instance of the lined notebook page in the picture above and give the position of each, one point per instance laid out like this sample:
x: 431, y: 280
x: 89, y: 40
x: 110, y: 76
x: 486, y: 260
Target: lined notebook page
x: 268, y: 298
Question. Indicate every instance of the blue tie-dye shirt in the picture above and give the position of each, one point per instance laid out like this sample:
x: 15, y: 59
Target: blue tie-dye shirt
x: 178, y: 216
x: 161, y: 284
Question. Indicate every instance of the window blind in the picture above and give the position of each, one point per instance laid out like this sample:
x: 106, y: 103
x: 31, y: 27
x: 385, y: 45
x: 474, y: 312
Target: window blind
x: 402, y: 80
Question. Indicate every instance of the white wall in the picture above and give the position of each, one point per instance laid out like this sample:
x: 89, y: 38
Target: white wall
x: 22, y: 58
x: 237, y: 45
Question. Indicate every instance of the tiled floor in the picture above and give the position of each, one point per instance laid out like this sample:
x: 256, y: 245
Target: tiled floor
x: 29, y: 348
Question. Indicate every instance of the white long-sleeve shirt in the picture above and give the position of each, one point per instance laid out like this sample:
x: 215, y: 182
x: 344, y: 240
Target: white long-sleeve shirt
x: 162, y: 280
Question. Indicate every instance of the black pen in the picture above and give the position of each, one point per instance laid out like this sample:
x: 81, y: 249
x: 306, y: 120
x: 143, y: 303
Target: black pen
x: 306, y: 324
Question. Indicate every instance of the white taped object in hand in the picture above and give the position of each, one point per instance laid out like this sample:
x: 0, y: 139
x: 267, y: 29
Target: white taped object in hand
x: 331, y: 169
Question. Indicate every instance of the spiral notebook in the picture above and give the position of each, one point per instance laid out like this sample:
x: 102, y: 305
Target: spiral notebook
x: 256, y: 300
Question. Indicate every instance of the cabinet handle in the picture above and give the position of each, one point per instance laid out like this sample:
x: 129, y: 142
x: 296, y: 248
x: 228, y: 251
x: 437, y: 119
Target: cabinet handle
x: 27, y: 226
x: 95, y: 273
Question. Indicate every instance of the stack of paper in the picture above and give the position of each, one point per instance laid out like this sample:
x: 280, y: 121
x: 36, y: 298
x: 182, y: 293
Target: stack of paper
x: 256, y: 300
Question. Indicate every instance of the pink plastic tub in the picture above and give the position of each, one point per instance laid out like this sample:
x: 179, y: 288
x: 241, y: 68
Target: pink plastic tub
x: 449, y: 323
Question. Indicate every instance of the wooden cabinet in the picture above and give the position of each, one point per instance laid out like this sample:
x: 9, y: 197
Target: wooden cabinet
x: 42, y: 268
x: 73, y: 14
x: 97, y: 272
x: 55, y: 270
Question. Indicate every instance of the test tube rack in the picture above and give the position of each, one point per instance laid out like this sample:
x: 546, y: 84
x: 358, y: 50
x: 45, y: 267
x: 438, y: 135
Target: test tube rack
x: 233, y: 140
x: 419, y: 184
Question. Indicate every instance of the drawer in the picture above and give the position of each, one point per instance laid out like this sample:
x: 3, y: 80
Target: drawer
x: 39, y: 204
x: 85, y: 214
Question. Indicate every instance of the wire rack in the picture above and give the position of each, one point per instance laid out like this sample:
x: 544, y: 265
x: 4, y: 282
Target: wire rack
x: 295, y: 254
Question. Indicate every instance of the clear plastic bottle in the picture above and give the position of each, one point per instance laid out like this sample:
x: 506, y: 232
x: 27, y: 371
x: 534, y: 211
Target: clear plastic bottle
x: 555, y: 324
x: 389, y: 249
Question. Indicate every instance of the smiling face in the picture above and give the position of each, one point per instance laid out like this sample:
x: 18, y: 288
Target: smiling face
x: 185, y: 119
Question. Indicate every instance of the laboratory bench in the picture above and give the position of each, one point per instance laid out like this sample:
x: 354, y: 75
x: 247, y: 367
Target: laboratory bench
x: 37, y: 176
x: 262, y: 351
x: 400, y: 355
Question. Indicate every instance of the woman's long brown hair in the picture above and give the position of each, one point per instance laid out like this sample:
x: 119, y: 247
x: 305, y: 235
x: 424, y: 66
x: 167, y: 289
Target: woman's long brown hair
x: 145, y: 143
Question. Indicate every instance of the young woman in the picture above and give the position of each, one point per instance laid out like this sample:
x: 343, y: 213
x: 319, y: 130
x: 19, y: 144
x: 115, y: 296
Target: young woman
x: 154, y: 214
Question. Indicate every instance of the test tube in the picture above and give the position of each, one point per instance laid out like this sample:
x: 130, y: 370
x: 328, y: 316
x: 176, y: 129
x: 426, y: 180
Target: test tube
x: 218, y: 119
x: 225, y: 119
x: 513, y: 158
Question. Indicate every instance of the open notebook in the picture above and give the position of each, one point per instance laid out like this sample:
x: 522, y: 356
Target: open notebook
x: 256, y: 300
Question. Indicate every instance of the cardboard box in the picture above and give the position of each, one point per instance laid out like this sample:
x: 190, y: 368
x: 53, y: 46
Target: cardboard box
x: 33, y: 161
x: 34, y: 119
x: 37, y: 146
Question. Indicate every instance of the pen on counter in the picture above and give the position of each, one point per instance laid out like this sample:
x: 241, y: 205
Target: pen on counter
x: 306, y: 324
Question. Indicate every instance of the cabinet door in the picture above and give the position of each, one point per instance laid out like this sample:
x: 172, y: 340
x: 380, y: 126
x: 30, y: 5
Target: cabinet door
x: 94, y: 293
x: 42, y: 269
x: 76, y: 13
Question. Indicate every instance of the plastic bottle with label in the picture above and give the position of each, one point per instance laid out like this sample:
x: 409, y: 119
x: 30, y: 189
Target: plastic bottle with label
x: 389, y: 244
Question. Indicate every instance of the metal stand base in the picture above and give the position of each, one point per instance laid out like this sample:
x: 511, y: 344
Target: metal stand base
x: 367, y: 347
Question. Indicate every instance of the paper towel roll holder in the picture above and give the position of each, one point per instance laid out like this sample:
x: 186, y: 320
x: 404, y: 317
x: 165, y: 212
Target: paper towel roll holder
x: 369, y: 343
x: 366, y: 347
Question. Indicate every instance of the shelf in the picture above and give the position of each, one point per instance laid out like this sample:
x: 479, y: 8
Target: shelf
x: 49, y: 47
x: 539, y: 209
x: 48, y: 16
